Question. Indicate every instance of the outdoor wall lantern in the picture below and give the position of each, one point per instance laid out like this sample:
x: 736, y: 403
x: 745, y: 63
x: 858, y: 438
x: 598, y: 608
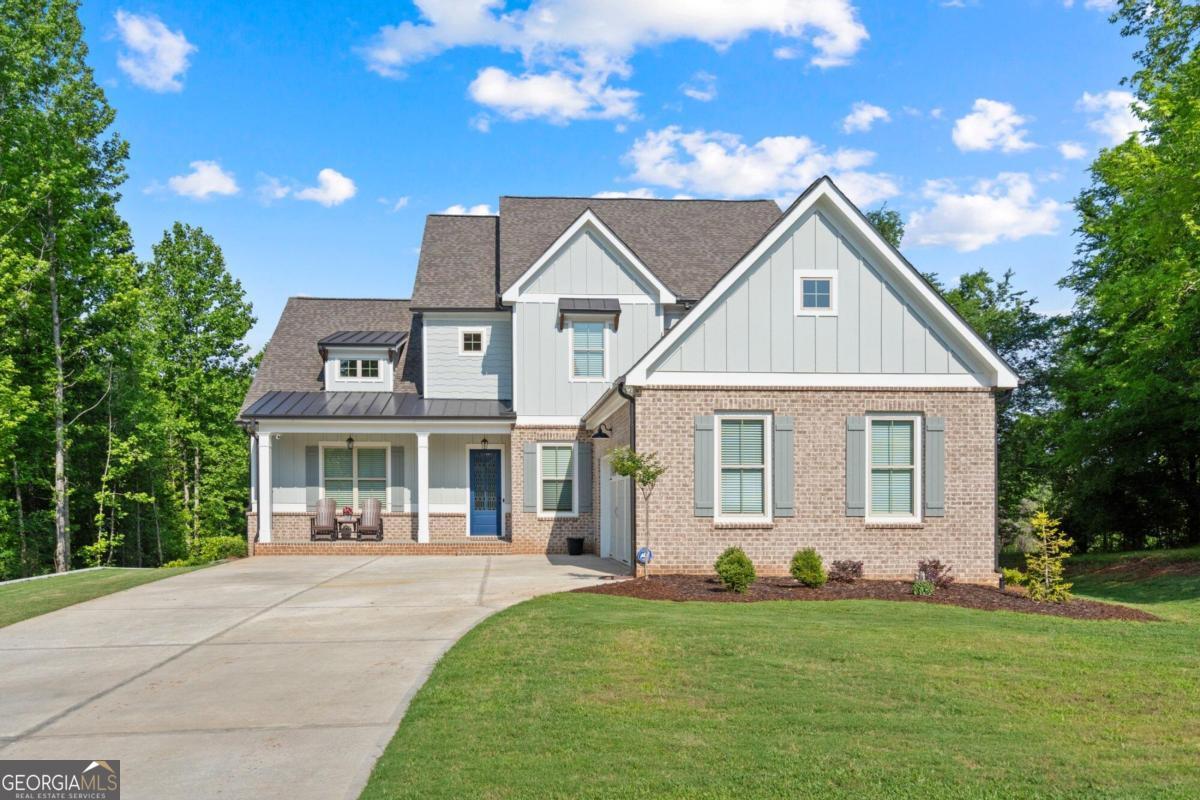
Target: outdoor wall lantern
x: 483, y: 443
x: 349, y: 442
x: 601, y: 433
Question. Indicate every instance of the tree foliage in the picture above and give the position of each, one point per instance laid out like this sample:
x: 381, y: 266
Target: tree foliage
x: 1127, y: 460
x: 1044, y: 565
x: 645, y: 469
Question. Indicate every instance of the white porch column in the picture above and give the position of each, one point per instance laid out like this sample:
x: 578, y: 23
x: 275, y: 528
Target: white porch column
x: 264, y: 487
x: 423, y: 487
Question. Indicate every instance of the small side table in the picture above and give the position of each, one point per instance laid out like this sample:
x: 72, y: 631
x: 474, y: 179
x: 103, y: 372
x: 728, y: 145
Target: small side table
x: 347, y: 526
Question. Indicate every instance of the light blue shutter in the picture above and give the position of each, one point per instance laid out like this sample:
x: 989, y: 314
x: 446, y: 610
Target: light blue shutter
x: 585, y: 476
x: 702, y: 466
x: 312, y: 475
x: 397, y: 478
x: 783, y: 484
x: 856, y: 466
x: 935, y: 466
x: 529, y: 470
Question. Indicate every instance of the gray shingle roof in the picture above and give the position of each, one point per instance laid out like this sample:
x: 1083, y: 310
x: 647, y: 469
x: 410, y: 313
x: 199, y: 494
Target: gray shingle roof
x: 292, y: 362
x: 687, y: 244
x: 390, y: 405
x: 457, y: 267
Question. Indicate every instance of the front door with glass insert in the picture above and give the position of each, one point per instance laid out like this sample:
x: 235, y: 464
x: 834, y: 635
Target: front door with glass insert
x: 484, y: 471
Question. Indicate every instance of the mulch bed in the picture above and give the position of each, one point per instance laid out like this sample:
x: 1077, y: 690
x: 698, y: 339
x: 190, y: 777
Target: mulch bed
x: 708, y: 589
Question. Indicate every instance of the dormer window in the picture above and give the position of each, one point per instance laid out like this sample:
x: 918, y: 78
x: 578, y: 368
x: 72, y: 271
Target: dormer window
x: 358, y: 368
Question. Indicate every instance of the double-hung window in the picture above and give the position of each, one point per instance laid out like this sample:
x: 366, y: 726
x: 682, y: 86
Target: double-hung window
x: 742, y: 459
x: 352, y: 476
x: 587, y: 350
x: 556, y: 479
x: 893, y: 453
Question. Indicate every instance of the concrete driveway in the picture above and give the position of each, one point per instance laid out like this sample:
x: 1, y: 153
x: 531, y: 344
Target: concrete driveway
x: 267, y: 677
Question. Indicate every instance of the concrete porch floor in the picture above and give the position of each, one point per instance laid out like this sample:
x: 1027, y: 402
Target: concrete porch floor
x: 266, y: 677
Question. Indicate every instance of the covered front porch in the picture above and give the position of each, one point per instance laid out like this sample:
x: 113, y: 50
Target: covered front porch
x: 442, y: 486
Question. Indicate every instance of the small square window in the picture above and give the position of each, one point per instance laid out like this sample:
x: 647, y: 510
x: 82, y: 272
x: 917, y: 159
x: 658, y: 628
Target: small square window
x: 816, y: 293
x: 472, y: 341
x: 348, y: 368
x: 370, y: 369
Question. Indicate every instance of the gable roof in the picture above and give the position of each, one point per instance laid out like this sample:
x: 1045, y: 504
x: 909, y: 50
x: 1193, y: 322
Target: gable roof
x: 457, y: 266
x: 292, y: 362
x: 824, y: 189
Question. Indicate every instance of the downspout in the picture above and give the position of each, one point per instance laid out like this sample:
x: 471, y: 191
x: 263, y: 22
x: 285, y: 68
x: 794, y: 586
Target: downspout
x: 253, y: 491
x: 1000, y: 397
x: 632, y: 495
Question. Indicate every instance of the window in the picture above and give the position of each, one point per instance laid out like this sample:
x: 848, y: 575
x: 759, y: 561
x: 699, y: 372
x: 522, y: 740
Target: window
x: 742, y: 465
x: 356, y: 368
x: 470, y: 341
x: 816, y: 292
x: 556, y: 470
x: 893, y: 475
x: 352, y: 476
x: 587, y: 350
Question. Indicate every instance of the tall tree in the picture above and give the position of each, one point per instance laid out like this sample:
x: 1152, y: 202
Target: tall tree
x: 1129, y: 457
x: 889, y: 223
x: 60, y: 234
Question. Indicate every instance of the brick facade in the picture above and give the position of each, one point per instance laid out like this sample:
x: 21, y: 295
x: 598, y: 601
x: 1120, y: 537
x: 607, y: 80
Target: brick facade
x: 534, y: 534
x: 964, y: 537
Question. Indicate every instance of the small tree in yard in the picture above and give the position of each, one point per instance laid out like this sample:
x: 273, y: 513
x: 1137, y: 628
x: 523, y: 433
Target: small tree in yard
x: 645, y: 469
x: 1044, y: 566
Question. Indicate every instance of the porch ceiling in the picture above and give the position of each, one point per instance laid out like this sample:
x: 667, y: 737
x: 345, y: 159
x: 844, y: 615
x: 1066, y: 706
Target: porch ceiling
x: 372, y: 405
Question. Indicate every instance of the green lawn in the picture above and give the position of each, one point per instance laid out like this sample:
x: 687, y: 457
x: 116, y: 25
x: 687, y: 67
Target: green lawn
x: 30, y: 598
x: 590, y: 696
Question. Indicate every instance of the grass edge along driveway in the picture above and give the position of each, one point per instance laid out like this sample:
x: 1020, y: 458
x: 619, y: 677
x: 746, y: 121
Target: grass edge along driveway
x: 21, y: 601
x: 576, y: 695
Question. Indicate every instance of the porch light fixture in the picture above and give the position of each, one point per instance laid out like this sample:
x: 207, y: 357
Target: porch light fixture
x: 349, y: 442
x: 600, y: 432
x: 483, y: 443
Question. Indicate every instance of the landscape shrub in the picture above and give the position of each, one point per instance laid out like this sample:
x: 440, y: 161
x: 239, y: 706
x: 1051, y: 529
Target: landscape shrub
x: 217, y: 548
x: 845, y: 571
x: 935, y: 572
x: 179, y: 562
x: 1044, y: 566
x: 923, y: 588
x: 735, y: 569
x: 807, y: 568
x: 1013, y: 576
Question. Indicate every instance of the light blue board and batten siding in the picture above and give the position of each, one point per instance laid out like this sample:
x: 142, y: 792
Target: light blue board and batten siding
x: 756, y: 329
x: 543, y: 384
x: 447, y: 468
x: 451, y: 375
x: 584, y: 267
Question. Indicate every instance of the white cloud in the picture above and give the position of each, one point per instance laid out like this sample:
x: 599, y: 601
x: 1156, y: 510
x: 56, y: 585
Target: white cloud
x: 480, y: 210
x: 270, y: 189
x: 571, y: 49
x: 1099, y: 5
x: 991, y: 124
x: 401, y: 202
x: 1071, y: 150
x: 1112, y: 113
x: 332, y: 189
x: 702, y: 87
x: 717, y: 163
x: 862, y: 116
x: 554, y: 96
x: 154, y: 57
x: 641, y: 193
x: 1002, y: 209
x: 206, y: 178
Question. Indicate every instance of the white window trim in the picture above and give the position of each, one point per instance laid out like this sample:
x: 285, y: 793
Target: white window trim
x: 503, y: 448
x: 574, y: 512
x: 768, y: 514
x: 606, y: 338
x: 818, y: 274
x: 483, y: 341
x: 387, y: 471
x: 918, y: 454
x: 358, y: 378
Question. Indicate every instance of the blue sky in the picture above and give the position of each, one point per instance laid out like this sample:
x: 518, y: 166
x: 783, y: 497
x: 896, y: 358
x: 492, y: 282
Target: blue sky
x: 311, y: 142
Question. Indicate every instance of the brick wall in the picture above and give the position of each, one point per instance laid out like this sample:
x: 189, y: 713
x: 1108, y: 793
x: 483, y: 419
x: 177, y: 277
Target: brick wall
x: 964, y: 537
x: 531, y: 533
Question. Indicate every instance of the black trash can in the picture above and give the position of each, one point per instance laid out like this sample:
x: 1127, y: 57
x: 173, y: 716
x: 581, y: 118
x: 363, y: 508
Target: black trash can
x: 575, y: 545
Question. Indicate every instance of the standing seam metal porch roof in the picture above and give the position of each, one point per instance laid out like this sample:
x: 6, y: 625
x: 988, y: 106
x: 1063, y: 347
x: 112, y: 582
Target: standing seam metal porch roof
x: 381, y: 405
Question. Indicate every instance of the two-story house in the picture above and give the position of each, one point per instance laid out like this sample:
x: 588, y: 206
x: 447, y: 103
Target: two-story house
x: 803, y: 384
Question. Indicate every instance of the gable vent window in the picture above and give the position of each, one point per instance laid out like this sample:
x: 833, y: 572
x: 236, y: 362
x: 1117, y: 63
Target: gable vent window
x: 470, y: 341
x: 816, y: 293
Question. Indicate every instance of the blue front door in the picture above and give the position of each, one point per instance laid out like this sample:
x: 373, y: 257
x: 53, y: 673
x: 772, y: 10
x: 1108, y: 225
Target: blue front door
x: 485, y: 492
